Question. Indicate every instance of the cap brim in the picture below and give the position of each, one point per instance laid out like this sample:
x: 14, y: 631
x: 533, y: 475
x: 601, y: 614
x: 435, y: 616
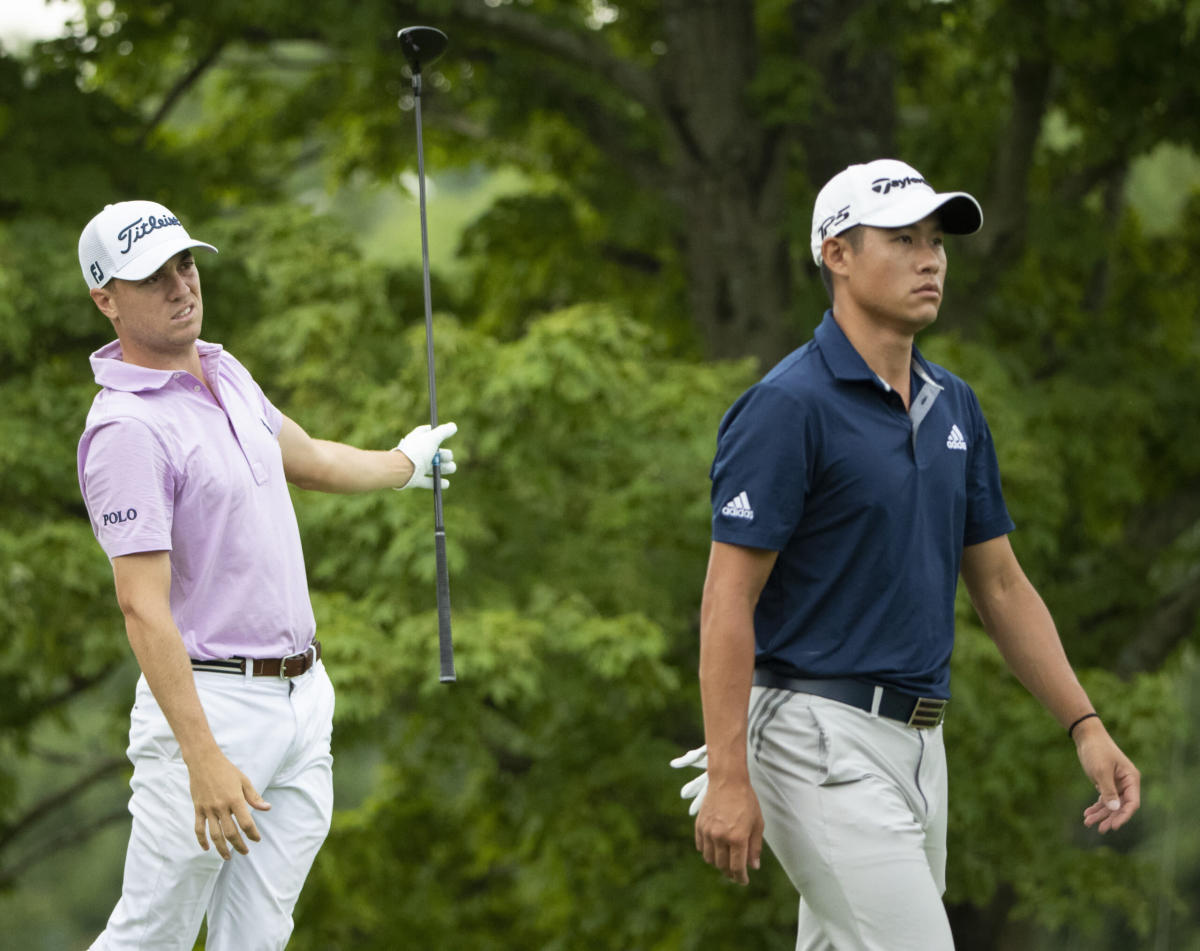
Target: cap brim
x: 959, y: 212
x: 151, y: 260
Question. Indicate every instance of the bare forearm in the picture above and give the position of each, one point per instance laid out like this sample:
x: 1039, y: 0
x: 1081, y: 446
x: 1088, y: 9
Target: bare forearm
x: 221, y: 793
x: 729, y: 824
x: 1020, y: 624
x: 337, y: 467
x: 726, y: 669
x: 159, y: 650
x: 734, y: 581
x: 1017, y: 619
x: 731, y: 588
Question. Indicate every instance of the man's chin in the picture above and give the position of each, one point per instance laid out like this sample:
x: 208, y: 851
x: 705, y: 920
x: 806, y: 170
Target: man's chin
x: 188, y: 331
x: 924, y: 319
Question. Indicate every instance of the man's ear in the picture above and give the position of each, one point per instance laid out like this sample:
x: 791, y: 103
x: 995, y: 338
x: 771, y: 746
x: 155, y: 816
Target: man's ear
x: 836, y: 252
x: 104, y: 300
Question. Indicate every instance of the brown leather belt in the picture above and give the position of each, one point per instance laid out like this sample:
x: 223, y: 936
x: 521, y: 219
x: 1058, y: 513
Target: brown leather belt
x: 284, y: 667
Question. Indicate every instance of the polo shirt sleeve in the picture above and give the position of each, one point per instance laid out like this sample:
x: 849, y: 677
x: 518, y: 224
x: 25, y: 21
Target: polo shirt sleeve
x: 987, y: 514
x: 760, y: 474
x: 128, y: 486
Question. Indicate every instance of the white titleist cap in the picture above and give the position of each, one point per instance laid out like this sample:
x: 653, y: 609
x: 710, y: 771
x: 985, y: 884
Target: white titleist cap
x: 887, y: 193
x: 131, y: 240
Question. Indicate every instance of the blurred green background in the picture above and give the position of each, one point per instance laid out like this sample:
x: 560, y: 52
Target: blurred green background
x: 619, y: 209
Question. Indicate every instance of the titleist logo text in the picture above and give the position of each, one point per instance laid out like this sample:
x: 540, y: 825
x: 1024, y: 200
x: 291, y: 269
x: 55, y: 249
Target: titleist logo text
x: 136, y: 230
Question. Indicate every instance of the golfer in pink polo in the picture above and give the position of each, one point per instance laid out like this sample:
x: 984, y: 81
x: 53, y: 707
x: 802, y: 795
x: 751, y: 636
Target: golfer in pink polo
x: 184, y: 465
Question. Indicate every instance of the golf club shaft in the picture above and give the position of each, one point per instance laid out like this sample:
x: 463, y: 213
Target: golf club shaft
x: 445, y: 643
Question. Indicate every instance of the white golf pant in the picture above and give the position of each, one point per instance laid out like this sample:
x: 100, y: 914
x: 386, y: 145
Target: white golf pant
x: 855, y: 810
x: 278, y: 733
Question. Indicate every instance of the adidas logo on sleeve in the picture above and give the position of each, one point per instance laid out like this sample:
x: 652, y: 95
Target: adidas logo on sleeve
x: 739, y: 507
x: 956, y: 440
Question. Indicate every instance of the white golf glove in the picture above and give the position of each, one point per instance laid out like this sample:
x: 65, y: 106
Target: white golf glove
x: 696, y: 788
x: 421, y: 446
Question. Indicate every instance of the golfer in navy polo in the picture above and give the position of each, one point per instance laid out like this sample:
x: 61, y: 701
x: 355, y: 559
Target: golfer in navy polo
x: 851, y: 487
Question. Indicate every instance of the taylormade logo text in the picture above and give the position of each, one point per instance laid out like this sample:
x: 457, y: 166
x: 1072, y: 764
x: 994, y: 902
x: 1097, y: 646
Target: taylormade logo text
x: 133, y: 232
x: 884, y: 185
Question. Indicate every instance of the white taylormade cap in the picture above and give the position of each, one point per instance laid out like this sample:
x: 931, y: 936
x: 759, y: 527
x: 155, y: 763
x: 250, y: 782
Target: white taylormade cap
x: 131, y: 240
x: 887, y: 193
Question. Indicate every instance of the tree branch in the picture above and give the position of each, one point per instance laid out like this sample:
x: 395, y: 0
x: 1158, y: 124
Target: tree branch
x: 182, y: 85
x: 572, y: 49
x: 19, y: 826
x: 1009, y: 193
x: 68, y: 838
x: 853, y: 118
x: 12, y: 716
x: 1159, y: 628
x: 1172, y: 622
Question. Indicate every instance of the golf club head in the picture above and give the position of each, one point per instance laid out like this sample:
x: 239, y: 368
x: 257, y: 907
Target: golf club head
x: 422, y: 45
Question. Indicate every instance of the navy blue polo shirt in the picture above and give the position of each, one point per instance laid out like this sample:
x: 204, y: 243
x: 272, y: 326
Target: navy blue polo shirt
x: 868, y: 505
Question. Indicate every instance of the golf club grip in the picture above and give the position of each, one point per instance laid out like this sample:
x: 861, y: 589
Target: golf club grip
x: 445, y: 643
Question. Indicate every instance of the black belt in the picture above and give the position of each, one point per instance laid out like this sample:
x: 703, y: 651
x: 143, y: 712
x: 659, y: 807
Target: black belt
x: 920, y: 712
x: 285, y: 667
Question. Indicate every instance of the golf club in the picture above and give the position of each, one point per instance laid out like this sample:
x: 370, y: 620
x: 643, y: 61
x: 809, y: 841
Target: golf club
x: 422, y: 45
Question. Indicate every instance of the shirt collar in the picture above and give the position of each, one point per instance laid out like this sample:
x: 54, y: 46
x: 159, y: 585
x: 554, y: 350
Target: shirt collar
x: 112, y: 372
x: 927, y: 371
x: 846, y: 363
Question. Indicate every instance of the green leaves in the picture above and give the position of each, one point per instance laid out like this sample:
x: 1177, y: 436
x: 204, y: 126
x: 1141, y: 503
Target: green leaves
x: 655, y: 204
x: 1024, y: 777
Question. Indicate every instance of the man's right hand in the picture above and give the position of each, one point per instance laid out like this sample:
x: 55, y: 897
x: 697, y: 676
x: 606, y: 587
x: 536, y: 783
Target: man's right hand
x: 729, y: 828
x: 223, y: 796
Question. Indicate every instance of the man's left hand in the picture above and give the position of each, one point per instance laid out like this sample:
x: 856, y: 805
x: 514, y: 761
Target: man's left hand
x: 1113, y: 774
x: 421, y: 446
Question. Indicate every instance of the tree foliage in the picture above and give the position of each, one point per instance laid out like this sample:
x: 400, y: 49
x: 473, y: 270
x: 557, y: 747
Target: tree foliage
x: 669, y: 153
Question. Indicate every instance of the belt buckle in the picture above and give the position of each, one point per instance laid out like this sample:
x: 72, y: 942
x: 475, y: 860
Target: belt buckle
x: 927, y: 713
x: 284, y: 675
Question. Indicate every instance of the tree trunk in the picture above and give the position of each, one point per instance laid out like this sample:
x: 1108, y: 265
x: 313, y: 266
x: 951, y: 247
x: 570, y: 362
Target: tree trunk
x: 729, y: 182
x: 730, y: 166
x: 853, y: 116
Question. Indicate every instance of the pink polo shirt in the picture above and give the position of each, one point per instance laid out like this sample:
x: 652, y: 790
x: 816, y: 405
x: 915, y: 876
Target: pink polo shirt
x: 165, y: 465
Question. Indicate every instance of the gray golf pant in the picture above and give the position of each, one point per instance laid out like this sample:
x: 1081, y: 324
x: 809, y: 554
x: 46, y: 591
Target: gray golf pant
x: 855, y: 811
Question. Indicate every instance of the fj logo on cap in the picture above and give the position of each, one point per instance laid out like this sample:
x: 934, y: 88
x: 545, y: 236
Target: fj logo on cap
x: 97, y: 273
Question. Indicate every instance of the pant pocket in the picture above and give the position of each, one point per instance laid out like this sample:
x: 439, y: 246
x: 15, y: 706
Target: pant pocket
x: 842, y: 756
x: 149, y: 733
